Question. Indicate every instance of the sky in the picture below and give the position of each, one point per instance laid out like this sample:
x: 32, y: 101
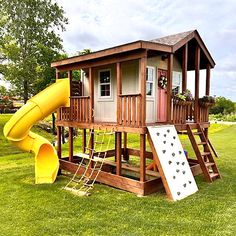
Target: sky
x: 99, y: 24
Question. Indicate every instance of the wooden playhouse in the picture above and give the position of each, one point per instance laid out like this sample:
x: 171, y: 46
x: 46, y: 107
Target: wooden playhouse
x: 130, y: 89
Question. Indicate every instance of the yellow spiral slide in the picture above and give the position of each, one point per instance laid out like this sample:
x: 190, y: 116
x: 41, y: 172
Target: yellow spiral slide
x: 17, y: 129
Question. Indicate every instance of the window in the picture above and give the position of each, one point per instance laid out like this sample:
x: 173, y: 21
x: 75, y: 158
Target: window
x: 149, y: 81
x: 177, y: 82
x: 105, y: 83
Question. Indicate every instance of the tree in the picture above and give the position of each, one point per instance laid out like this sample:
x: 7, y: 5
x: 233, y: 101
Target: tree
x: 29, y: 41
x: 223, y: 106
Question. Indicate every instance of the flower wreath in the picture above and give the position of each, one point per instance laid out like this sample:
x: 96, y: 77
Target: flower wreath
x: 162, y: 82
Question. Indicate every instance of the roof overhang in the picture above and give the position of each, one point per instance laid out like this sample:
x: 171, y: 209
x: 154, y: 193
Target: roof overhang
x: 133, y: 47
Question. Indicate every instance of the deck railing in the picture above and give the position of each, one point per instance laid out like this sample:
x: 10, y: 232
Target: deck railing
x: 78, y: 111
x: 182, y: 111
x: 130, y: 110
x: 204, y: 111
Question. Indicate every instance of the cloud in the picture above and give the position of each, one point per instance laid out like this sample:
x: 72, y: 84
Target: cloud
x: 98, y: 24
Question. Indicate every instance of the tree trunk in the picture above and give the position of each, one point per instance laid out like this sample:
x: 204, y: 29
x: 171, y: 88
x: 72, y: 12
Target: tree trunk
x: 25, y: 92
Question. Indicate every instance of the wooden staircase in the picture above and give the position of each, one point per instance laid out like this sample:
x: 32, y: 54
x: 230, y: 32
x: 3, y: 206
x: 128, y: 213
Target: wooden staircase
x: 205, y: 158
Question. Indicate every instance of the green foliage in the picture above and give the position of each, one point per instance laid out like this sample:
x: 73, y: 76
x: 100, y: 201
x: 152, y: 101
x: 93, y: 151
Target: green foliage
x: 76, y: 73
x: 46, y: 209
x: 221, y: 117
x: 29, y: 41
x: 3, y: 91
x: 223, y: 106
x: 185, y: 96
x: 208, y: 99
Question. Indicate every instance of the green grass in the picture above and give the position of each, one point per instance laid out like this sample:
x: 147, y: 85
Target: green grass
x: 29, y: 209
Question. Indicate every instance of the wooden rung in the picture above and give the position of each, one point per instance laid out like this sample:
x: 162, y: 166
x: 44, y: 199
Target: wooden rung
x: 98, y: 142
x: 208, y: 164
x: 82, y: 155
x: 214, y: 175
x: 205, y: 153
x: 202, y: 143
x: 197, y: 133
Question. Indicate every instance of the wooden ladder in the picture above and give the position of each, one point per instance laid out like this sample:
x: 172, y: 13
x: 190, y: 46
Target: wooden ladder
x: 205, y: 158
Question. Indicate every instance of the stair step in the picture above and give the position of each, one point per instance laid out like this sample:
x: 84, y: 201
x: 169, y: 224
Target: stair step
x: 202, y: 143
x: 197, y: 133
x: 208, y: 164
x: 214, y: 175
x: 205, y: 153
x: 88, y: 185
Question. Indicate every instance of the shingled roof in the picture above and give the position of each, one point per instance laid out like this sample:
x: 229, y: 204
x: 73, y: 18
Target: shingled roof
x: 171, y: 40
x: 168, y: 44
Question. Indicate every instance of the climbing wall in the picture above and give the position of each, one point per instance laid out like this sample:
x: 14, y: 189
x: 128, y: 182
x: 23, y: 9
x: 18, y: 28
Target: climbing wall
x: 176, y: 174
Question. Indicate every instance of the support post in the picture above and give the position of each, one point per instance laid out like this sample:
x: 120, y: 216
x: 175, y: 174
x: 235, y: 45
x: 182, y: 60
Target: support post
x: 57, y: 74
x: 83, y: 140
x: 59, y: 129
x: 71, y: 144
x: 59, y: 142
x: 142, y: 73
x: 208, y: 76
x: 119, y: 91
x: 125, y: 154
x: 91, y: 94
x: 118, y: 153
x: 184, y: 67
x: 169, y: 86
x: 70, y: 78
x: 142, y: 157
x: 197, y: 75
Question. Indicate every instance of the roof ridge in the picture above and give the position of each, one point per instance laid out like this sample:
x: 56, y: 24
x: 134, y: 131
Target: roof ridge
x: 172, y: 39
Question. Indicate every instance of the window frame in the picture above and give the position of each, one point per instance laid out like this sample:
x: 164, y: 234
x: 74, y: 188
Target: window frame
x: 151, y: 82
x: 105, y: 98
x: 174, y: 80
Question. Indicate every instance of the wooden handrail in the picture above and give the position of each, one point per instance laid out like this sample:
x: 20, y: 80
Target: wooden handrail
x: 131, y: 95
x: 77, y: 97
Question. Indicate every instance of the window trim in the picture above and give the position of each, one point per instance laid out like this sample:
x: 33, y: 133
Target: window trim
x: 153, y: 82
x: 105, y: 98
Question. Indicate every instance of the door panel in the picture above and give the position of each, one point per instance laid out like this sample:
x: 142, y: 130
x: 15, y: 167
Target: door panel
x: 161, y: 99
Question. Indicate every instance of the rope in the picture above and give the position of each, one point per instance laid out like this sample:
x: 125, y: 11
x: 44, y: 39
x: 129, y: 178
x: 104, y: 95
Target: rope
x: 86, y: 185
x: 81, y: 162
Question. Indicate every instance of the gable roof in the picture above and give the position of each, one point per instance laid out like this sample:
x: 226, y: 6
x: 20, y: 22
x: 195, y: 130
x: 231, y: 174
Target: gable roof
x: 169, y: 44
x: 173, y: 39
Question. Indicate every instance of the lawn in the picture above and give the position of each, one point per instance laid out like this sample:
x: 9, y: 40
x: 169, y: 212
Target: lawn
x: 29, y: 209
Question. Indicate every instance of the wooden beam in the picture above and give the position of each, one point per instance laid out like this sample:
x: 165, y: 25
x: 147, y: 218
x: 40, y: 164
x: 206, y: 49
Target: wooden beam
x: 197, y: 76
x: 119, y: 91
x: 84, y: 143
x: 102, y: 53
x: 169, y: 86
x: 107, y: 178
x: 118, y: 153
x: 57, y: 74
x: 184, y: 67
x: 91, y: 94
x: 59, y: 142
x: 208, y: 76
x: 103, y: 61
x: 103, y: 126
x: 142, y: 77
x: 71, y: 144
x: 70, y: 78
x: 142, y: 157
x: 125, y: 154
x: 156, y: 46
